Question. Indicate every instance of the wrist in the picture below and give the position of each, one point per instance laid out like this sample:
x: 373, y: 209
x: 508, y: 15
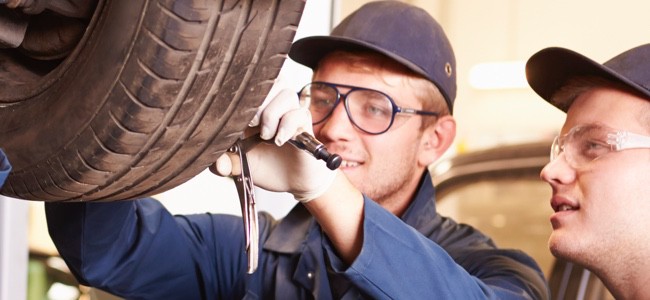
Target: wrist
x: 327, y: 180
x: 339, y: 211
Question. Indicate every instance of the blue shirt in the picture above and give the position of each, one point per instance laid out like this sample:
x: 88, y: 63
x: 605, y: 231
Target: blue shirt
x: 137, y: 250
x: 5, y: 167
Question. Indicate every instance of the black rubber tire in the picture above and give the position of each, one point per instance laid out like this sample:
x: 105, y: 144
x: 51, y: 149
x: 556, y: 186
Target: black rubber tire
x: 152, y: 95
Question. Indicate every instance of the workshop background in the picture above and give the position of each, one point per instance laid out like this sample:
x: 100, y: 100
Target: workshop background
x: 492, y: 40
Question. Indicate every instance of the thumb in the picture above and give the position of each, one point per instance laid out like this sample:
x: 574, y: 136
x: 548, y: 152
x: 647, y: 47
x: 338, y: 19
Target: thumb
x: 226, y: 165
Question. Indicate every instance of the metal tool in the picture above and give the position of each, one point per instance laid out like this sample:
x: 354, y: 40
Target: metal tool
x: 303, y: 141
x: 245, y: 189
x: 245, y: 186
x: 307, y: 142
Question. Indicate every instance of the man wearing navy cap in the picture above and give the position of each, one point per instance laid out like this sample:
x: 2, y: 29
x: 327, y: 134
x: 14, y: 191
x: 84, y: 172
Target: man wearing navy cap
x: 382, y: 96
x: 599, y: 163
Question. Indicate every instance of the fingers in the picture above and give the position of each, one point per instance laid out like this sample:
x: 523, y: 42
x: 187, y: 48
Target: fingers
x: 281, y: 83
x: 284, y: 118
x: 293, y: 123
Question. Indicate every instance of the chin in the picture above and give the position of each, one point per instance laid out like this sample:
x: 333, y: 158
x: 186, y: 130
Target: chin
x: 566, y: 248
x: 554, y: 248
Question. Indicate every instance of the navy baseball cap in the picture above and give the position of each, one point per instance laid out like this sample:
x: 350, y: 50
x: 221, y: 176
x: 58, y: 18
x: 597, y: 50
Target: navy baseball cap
x: 548, y: 70
x: 403, y: 32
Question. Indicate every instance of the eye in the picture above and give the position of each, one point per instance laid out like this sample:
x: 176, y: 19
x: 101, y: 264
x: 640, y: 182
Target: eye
x: 593, y: 148
x: 376, y: 109
x: 321, y: 99
x: 372, y: 104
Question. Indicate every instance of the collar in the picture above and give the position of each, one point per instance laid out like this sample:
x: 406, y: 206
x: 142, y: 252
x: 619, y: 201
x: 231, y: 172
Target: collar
x: 422, y: 208
x: 290, y: 233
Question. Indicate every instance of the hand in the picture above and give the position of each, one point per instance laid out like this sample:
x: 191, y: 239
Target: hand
x: 282, y: 167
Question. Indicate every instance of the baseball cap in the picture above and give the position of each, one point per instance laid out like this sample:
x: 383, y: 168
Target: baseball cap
x: 549, y: 70
x: 403, y: 32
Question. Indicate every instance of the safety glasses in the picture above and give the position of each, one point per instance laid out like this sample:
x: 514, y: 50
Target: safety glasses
x: 586, y: 143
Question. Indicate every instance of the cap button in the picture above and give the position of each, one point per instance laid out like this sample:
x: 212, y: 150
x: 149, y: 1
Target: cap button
x: 448, y: 69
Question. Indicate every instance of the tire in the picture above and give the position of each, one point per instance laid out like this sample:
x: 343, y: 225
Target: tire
x: 152, y: 94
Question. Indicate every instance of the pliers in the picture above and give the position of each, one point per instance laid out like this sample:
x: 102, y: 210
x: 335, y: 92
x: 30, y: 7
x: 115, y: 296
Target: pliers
x: 245, y: 189
x: 245, y: 186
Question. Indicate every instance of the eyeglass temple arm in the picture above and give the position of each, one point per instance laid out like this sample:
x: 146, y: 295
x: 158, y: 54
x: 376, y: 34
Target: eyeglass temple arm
x: 626, y: 140
x: 416, y: 112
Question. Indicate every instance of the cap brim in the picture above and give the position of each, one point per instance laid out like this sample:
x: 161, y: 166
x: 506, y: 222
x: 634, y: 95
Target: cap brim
x: 549, y: 70
x: 310, y: 50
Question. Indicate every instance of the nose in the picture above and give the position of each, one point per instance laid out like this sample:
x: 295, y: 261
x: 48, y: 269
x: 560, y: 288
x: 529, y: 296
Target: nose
x: 336, y: 127
x: 558, y: 171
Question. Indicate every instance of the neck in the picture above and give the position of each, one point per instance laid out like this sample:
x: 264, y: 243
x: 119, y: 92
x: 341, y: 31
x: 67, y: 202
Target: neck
x: 628, y: 280
x: 397, y: 206
x: 398, y: 202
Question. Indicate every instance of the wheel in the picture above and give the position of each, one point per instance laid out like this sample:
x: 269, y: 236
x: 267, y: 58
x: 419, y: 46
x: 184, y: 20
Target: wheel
x: 151, y: 95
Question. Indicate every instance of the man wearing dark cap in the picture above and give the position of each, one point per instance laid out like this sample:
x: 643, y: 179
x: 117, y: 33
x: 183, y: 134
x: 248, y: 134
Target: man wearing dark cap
x: 599, y: 163
x: 381, y: 97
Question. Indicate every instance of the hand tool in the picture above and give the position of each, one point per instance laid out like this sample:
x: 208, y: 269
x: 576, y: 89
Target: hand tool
x: 245, y: 186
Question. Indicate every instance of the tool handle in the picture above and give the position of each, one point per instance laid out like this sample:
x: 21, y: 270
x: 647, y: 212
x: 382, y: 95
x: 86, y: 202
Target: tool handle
x: 307, y: 142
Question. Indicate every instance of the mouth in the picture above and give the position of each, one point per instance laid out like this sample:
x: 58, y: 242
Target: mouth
x: 565, y: 211
x: 564, y: 207
x: 560, y: 204
x: 349, y: 164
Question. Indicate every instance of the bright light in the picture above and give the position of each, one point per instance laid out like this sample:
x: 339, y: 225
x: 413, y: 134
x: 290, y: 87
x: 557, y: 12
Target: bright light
x: 498, y: 75
x: 60, y: 291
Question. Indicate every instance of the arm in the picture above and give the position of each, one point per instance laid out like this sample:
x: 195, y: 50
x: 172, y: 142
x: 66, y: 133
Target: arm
x: 136, y: 249
x: 339, y: 211
x: 477, y: 271
x: 365, y: 241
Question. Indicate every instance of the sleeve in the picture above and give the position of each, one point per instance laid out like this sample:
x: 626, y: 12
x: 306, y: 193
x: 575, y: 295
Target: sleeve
x: 138, y: 250
x: 396, y: 261
x: 5, y: 167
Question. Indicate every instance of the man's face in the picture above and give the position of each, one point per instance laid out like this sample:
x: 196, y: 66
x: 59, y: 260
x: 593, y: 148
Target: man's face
x: 602, y: 207
x: 385, y: 167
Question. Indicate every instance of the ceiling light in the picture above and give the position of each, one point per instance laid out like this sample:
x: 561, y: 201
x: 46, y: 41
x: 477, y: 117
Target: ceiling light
x: 498, y: 75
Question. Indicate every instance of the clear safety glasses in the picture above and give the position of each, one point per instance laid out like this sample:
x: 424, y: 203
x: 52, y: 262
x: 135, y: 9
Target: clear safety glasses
x: 585, y: 143
x: 369, y: 110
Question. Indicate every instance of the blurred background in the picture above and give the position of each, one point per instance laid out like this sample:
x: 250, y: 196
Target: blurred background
x: 494, y: 107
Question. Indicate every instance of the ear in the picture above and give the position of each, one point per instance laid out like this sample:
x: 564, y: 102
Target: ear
x: 436, y: 139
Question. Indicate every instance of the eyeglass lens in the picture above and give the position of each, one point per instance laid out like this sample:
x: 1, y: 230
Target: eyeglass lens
x: 369, y: 110
x: 582, y: 145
